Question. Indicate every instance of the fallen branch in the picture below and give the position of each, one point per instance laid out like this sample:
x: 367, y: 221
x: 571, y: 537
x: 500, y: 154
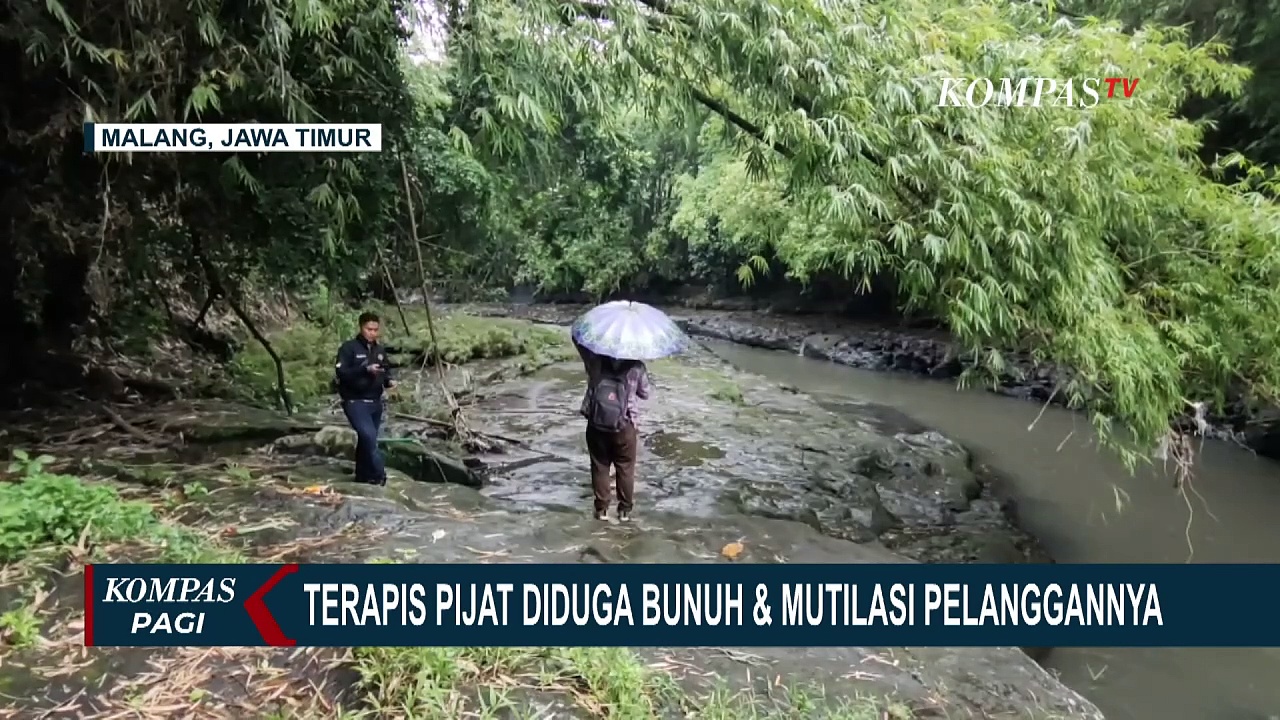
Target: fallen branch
x: 281, y: 388
x: 448, y: 426
x: 128, y: 427
x: 205, y: 308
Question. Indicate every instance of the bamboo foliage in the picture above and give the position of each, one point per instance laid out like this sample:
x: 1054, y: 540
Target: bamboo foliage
x: 1095, y: 237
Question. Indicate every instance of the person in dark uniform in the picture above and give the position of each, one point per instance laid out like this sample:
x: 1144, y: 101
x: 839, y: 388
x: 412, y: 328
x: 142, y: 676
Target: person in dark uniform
x: 362, y: 374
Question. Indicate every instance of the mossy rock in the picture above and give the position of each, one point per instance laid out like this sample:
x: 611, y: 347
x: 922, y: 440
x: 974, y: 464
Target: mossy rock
x: 416, y: 461
x: 213, y: 421
x: 307, y: 350
x: 407, y: 455
x: 155, y: 475
x: 463, y: 338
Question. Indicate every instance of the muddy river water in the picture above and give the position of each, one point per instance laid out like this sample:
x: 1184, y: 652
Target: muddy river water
x: 1069, y: 495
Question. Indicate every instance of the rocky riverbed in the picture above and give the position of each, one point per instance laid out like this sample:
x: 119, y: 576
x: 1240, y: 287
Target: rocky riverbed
x: 729, y: 460
x: 870, y: 347
x: 923, y: 352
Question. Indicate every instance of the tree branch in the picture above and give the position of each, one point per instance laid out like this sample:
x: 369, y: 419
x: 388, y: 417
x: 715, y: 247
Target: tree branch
x: 218, y: 289
x: 909, y: 196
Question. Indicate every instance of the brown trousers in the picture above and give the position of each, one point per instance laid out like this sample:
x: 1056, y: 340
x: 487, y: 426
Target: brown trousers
x: 615, y: 450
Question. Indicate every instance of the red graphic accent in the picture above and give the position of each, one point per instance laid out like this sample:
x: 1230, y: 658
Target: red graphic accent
x: 88, y: 606
x: 1128, y: 89
x: 262, y: 618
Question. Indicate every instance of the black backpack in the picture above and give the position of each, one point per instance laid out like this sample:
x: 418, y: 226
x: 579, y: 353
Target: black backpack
x: 610, y: 400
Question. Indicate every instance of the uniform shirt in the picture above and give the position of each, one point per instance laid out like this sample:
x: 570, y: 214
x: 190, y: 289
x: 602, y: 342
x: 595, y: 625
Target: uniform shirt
x: 355, y: 382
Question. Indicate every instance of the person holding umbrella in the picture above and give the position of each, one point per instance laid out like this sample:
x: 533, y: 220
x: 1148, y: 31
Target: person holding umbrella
x: 614, y: 340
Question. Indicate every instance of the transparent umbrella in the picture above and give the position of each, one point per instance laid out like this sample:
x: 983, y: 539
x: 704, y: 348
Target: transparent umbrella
x: 629, y: 331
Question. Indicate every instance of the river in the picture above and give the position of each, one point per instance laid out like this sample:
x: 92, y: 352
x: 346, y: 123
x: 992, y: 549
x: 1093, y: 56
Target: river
x: 1067, y: 492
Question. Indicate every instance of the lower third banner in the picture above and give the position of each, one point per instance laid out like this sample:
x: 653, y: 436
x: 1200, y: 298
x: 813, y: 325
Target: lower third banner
x: 682, y: 605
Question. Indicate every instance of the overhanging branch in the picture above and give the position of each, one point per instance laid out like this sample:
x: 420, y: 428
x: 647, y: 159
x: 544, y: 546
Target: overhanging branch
x: 596, y: 11
x: 599, y: 12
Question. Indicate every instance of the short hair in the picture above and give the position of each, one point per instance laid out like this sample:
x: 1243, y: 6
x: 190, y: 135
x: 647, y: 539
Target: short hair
x: 369, y: 317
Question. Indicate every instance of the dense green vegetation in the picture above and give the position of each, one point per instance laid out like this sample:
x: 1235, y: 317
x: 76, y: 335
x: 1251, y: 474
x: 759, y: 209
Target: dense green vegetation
x: 645, y: 145
x: 1249, y: 122
x: 306, y: 349
x: 52, y: 511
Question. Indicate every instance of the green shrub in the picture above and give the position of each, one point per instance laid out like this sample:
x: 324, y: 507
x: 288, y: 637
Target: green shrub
x: 43, y: 508
x: 40, y: 509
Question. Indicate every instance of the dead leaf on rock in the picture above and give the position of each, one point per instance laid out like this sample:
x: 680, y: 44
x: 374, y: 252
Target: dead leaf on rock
x: 732, y: 550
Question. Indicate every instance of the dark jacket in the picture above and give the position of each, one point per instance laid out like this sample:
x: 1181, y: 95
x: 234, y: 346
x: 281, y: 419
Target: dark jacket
x: 355, y: 382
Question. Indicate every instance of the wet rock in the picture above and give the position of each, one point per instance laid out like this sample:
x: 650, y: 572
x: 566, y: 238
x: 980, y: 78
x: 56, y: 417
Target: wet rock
x: 671, y: 445
x: 1261, y: 430
x: 457, y: 524
x: 408, y: 455
x: 775, y: 454
x: 212, y: 421
x: 866, y: 347
x: 838, y: 504
x: 927, y: 479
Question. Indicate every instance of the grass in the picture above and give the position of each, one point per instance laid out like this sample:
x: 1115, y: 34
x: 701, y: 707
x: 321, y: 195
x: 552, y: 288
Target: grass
x: 42, y: 510
x: 46, y: 517
x: 307, y: 349
x: 726, y: 391
x: 720, y: 387
x: 613, y: 683
x: 20, y: 625
x: 487, y: 683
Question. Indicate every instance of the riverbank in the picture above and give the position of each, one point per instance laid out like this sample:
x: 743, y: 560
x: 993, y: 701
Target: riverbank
x: 735, y: 469
x: 917, y: 351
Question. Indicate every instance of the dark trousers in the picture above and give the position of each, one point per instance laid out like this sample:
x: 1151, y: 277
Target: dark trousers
x: 615, y: 450
x: 365, y: 418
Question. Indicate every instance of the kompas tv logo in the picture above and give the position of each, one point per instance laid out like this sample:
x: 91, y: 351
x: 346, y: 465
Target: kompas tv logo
x: 1084, y: 92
